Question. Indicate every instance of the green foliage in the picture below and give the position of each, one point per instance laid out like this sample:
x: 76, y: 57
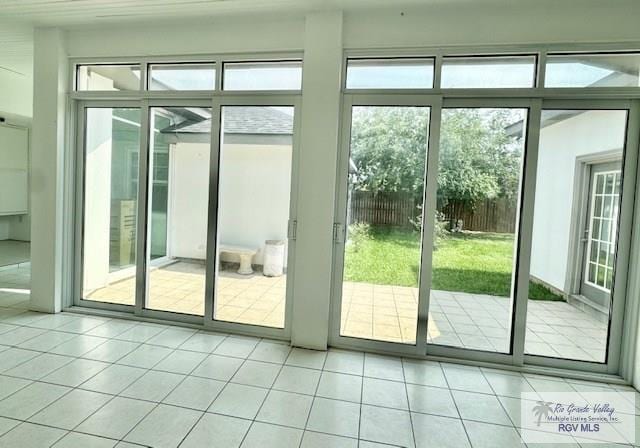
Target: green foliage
x: 439, y: 226
x: 359, y: 234
x: 478, y: 158
x: 477, y: 263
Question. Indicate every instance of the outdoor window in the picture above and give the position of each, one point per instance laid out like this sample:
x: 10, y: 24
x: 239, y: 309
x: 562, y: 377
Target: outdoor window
x: 112, y: 141
x: 400, y: 73
x: 108, y: 77
x: 575, y: 234
x: 593, y: 70
x: 182, y: 76
x: 488, y: 72
x: 279, y: 75
x: 476, y: 224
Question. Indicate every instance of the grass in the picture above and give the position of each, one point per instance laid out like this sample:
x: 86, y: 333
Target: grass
x: 473, y: 262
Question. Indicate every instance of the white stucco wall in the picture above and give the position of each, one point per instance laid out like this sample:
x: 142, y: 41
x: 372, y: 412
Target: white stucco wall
x: 255, y: 182
x: 589, y: 133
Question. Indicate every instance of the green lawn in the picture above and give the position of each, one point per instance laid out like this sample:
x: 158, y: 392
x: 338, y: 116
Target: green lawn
x: 479, y: 263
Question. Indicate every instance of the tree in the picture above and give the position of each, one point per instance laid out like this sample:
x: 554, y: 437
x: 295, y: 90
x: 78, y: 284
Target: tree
x: 479, y: 159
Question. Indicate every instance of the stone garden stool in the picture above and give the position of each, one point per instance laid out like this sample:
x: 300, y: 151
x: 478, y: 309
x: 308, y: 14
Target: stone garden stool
x: 246, y: 256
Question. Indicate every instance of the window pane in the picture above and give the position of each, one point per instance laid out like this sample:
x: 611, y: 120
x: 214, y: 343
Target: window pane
x: 593, y: 70
x: 108, y: 77
x: 111, y: 149
x: 488, y: 72
x: 253, y: 206
x: 180, y: 139
x: 390, y: 73
x: 574, y: 233
x: 479, y: 174
x: 384, y: 204
x: 263, y: 75
x: 182, y: 77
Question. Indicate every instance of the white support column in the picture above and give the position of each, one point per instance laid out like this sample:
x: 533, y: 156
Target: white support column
x: 49, y: 106
x: 317, y: 173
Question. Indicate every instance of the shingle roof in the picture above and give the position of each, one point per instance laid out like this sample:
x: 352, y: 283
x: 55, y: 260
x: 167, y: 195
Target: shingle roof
x: 241, y: 120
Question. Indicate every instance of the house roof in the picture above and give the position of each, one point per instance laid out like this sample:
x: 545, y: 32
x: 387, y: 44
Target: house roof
x: 242, y: 120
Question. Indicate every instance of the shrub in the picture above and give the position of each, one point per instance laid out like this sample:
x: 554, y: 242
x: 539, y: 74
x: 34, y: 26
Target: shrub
x: 359, y: 233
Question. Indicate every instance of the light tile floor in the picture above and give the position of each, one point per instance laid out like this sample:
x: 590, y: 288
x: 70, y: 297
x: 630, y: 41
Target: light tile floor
x: 69, y: 380
x: 382, y: 312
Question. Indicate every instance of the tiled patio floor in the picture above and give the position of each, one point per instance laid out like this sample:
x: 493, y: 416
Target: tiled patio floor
x: 369, y: 311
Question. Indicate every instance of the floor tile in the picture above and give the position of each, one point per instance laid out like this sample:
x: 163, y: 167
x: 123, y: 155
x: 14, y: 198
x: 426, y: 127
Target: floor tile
x: 111, y: 328
x: 312, y: 359
x: 431, y: 400
x: 318, y: 440
x: 343, y: 361
x: 203, y: 342
x: 15, y: 356
x: 263, y: 435
x: 436, y: 431
x: 70, y: 410
x: 236, y: 347
x: 38, y: 367
x: 218, y: 367
x: 114, y: 379
x: 82, y: 324
x: 391, y: 426
x: 28, y: 435
x: 508, y: 385
x: 426, y: 373
x: 334, y: 417
x: 116, y: 418
x: 285, y: 408
x: 20, y: 335
x: 255, y: 373
x: 180, y: 361
x: 238, y: 400
x: 111, y: 351
x: 7, y: 424
x: 484, y: 435
x: 78, y: 346
x: 391, y: 394
x: 297, y: 379
x: 153, y: 386
x: 270, y: 352
x: 145, y: 356
x: 466, y: 378
x: 140, y: 333
x: 195, y: 393
x: 31, y: 399
x: 171, y: 337
x: 164, y: 427
x: 9, y: 385
x: 217, y: 431
x: 46, y: 341
x: 480, y: 407
x: 340, y: 386
x: 76, y: 372
x: 384, y: 367
x: 78, y: 440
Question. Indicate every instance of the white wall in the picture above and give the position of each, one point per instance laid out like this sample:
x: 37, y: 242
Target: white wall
x: 589, y: 133
x: 16, y: 93
x: 255, y: 187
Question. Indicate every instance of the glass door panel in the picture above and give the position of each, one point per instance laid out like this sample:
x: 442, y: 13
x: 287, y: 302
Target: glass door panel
x: 575, y: 230
x: 386, y: 176
x: 255, y: 168
x: 111, y: 152
x: 180, y: 146
x: 475, y: 241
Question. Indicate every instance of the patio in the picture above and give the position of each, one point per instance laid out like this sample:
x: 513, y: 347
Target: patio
x: 368, y: 311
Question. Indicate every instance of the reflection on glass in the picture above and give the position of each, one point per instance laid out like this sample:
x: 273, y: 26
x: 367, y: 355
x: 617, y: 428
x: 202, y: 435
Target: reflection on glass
x: 401, y: 73
x: 180, y: 139
x: 384, y: 215
x: 479, y: 175
x: 575, y: 234
x: 253, y: 214
x: 593, y: 70
x: 111, y: 151
x: 182, y: 77
x: 286, y: 75
x: 488, y: 72
x: 108, y: 77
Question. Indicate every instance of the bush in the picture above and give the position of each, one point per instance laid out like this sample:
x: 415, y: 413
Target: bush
x: 439, y: 228
x: 359, y: 233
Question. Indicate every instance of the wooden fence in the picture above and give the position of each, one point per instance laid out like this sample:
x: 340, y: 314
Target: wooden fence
x: 398, y: 209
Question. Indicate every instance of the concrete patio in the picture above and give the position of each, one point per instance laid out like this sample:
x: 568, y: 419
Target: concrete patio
x: 369, y: 311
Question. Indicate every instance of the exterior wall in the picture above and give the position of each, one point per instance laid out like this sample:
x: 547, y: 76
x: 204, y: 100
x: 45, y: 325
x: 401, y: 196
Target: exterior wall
x: 561, y: 143
x: 255, y: 187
